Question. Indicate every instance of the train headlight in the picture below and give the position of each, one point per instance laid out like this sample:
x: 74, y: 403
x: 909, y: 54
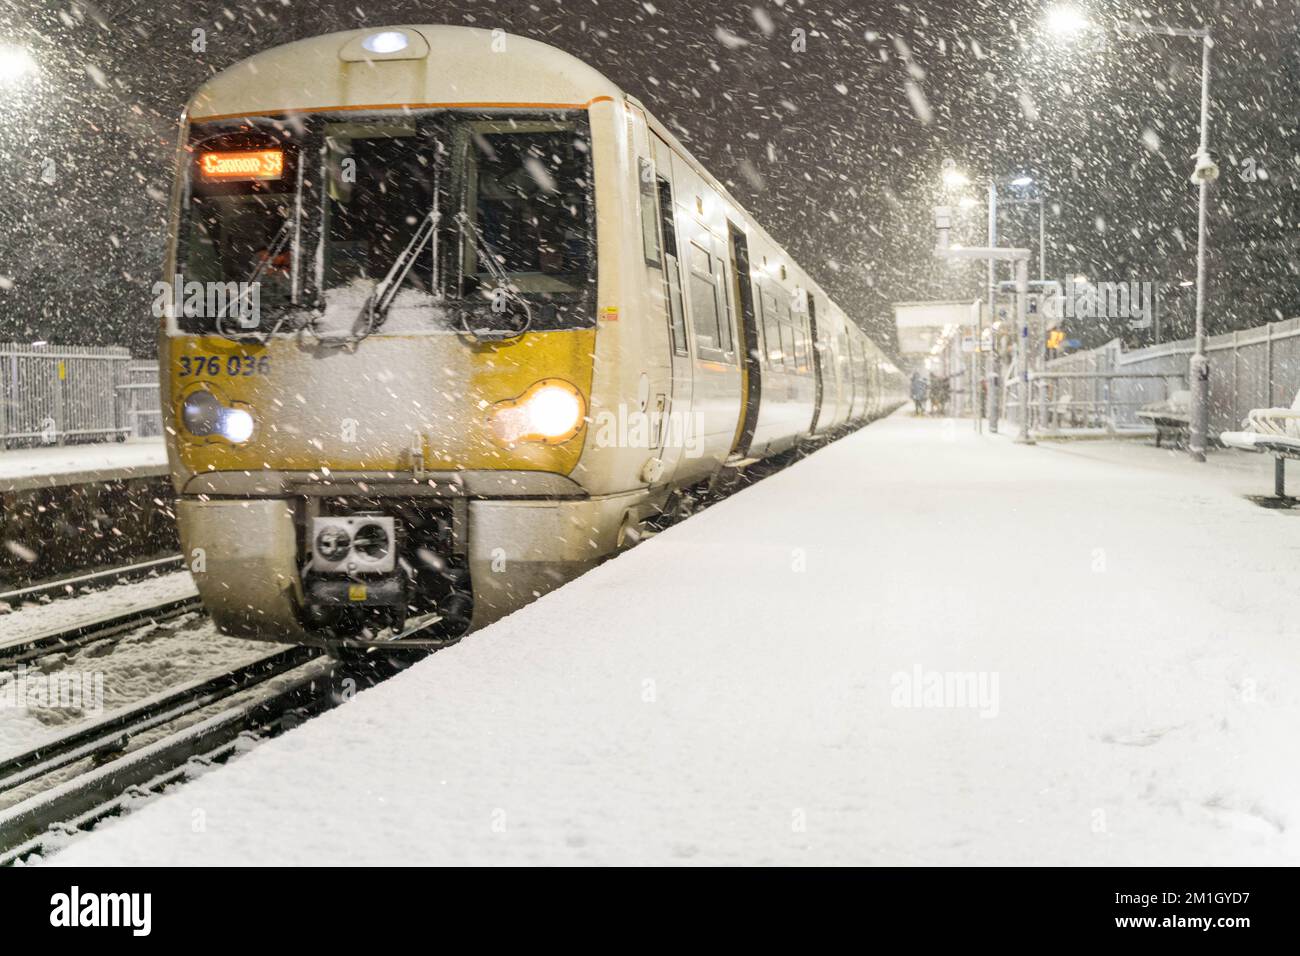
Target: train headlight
x: 200, y: 413
x: 205, y: 414
x: 333, y: 543
x: 551, y: 411
x: 235, y: 425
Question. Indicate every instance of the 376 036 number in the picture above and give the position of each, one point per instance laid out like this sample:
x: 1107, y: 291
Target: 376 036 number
x: 214, y: 366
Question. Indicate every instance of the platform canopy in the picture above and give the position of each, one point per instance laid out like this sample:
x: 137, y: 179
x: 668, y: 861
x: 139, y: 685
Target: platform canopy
x: 923, y: 325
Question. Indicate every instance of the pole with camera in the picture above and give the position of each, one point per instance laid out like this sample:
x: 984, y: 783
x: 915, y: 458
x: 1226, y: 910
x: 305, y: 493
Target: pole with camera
x: 1020, y: 258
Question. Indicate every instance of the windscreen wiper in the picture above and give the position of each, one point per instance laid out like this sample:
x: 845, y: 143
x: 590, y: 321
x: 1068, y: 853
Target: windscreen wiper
x: 380, y: 300
x: 276, y: 247
x: 505, y: 287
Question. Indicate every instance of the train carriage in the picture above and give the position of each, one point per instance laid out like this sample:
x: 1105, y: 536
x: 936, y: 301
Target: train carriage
x: 483, y: 315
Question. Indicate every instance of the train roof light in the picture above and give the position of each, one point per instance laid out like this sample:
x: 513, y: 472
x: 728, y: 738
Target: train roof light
x: 389, y: 41
x: 380, y: 46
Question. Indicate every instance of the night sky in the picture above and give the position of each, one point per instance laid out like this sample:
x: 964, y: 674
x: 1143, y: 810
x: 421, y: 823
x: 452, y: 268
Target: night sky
x: 836, y: 148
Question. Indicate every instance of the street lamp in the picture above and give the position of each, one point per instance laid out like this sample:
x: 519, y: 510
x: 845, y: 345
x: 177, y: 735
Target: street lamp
x: 1204, y: 172
x: 16, y: 65
x: 954, y: 178
x: 1065, y: 20
x: 1022, y: 182
x: 995, y: 371
x: 1020, y: 260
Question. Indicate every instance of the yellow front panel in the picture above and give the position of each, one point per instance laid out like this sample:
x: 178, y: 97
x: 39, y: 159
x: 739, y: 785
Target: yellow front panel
x: 365, y: 410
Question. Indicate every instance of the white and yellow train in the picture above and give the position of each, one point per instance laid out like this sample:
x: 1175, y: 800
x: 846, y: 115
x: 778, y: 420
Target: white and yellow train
x: 449, y: 315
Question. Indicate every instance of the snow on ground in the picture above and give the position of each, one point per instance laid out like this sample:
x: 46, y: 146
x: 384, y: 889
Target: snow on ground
x: 734, y: 691
x: 35, y: 618
x: 129, y: 669
x: 1238, y: 472
x: 70, y: 464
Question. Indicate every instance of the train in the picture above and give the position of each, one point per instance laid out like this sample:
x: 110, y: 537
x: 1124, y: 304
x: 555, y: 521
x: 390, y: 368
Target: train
x: 447, y: 319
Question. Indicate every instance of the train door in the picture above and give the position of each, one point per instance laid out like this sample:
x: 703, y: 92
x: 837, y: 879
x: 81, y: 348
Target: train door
x: 716, y: 398
x: 676, y: 421
x: 851, y: 374
x: 816, y: 360
x: 861, y: 395
x: 846, y: 372
x: 751, y: 365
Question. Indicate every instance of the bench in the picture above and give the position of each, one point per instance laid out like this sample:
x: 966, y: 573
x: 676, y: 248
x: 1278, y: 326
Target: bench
x: 1272, y: 431
x: 1171, y: 416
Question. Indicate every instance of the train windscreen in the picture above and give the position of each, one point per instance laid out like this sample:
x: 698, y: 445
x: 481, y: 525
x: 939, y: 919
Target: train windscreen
x: 416, y: 220
x: 239, y: 233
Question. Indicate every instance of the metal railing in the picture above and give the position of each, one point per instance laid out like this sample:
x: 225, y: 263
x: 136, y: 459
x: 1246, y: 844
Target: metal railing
x: 139, y: 401
x: 1065, y: 401
x: 58, y: 394
x: 1250, y: 368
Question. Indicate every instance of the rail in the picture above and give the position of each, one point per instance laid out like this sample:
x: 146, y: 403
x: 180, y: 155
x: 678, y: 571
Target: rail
x: 102, y: 628
x: 45, y: 819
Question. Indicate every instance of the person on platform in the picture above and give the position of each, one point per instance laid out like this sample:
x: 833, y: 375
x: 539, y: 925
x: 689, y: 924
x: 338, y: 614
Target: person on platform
x: 918, y: 393
x: 939, y: 395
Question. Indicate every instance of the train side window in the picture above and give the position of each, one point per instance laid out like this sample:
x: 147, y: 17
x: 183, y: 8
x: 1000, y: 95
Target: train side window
x: 726, y: 321
x: 806, y: 337
x: 798, y: 352
x: 649, y: 211
x: 672, y: 274
x: 704, y: 300
x: 771, y: 328
x: 787, y: 335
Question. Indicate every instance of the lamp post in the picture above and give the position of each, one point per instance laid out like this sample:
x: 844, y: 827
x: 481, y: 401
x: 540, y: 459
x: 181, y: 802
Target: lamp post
x: 994, y: 371
x: 1018, y: 257
x: 1204, y: 172
x: 1022, y: 182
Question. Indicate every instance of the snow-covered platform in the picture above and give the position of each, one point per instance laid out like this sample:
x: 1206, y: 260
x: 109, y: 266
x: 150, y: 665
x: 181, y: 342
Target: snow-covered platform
x: 22, y: 469
x: 916, y: 646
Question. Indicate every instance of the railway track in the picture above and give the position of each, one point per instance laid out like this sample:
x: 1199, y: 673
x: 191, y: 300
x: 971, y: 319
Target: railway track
x: 104, y: 627
x: 116, y: 775
x: 62, y: 587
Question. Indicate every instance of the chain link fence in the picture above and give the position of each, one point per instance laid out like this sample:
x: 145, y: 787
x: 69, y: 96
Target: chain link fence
x: 1250, y: 368
x: 53, y: 395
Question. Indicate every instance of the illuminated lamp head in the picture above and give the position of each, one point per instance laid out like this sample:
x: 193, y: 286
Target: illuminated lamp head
x: 550, y: 411
x: 205, y: 415
x: 389, y: 41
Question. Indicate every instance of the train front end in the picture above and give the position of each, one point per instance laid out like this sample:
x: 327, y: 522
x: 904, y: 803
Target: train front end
x: 379, y: 331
